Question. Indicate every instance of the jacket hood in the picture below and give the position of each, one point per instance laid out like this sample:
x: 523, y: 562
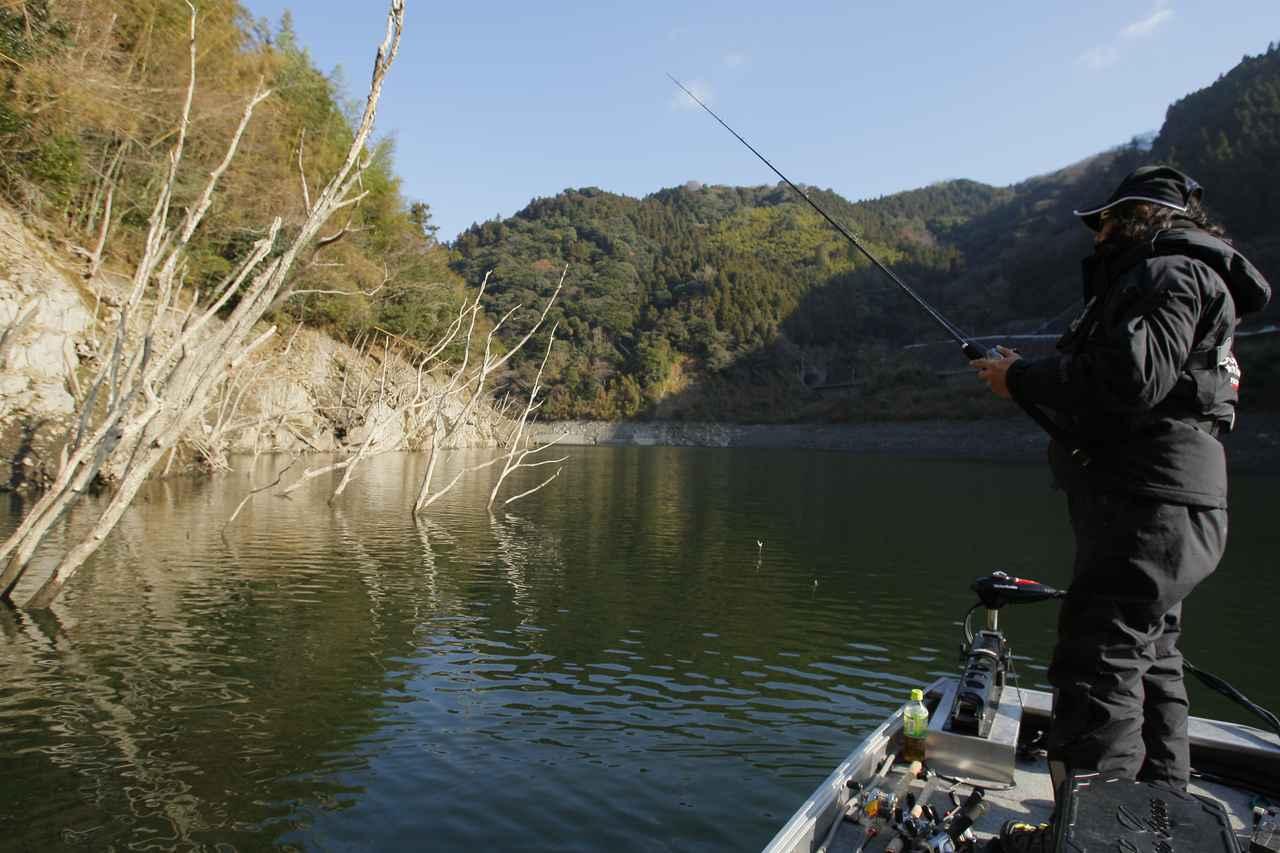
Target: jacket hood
x: 1248, y: 288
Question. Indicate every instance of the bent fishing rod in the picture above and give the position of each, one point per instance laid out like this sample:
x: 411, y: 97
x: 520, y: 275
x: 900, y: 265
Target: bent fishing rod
x: 971, y: 349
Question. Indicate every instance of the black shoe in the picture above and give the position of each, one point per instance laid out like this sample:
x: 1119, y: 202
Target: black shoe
x: 1019, y: 837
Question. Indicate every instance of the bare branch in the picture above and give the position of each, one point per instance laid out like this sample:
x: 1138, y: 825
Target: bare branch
x: 457, y: 477
x: 289, y: 346
x: 244, y: 353
x: 544, y: 483
x: 545, y: 310
x: 321, y: 242
x: 109, y: 179
x: 259, y: 490
x: 372, y: 292
x: 197, y: 211
x: 356, y: 180
x: 514, y: 460
x: 156, y: 233
x: 544, y: 461
x: 302, y: 172
x: 312, y: 473
x: 347, y: 202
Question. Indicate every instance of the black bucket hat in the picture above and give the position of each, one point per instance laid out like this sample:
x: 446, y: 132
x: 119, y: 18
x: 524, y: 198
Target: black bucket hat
x: 1162, y: 185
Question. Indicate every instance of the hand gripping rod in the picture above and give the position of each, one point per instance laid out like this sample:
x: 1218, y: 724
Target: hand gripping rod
x: 971, y: 350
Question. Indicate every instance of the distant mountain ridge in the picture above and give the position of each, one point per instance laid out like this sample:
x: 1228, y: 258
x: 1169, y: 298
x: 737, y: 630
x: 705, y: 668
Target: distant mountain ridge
x: 719, y: 302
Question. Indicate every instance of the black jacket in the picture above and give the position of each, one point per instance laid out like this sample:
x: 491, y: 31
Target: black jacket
x: 1145, y: 377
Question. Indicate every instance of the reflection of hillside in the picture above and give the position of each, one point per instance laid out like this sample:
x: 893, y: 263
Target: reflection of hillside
x: 618, y: 645
x: 208, y: 687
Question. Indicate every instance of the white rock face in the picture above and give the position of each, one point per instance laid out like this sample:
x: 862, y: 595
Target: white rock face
x: 44, y: 315
x: 52, y: 398
x: 304, y: 391
x: 386, y: 426
x: 13, y: 384
x: 50, y: 313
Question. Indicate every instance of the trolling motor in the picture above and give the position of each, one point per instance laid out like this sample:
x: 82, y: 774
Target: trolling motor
x: 986, y: 653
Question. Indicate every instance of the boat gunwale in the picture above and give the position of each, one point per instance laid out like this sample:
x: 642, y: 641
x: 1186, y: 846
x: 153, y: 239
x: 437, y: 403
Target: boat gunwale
x: 823, y: 806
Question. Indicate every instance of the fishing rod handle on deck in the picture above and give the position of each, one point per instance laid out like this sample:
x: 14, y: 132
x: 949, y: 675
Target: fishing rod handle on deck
x: 968, y: 813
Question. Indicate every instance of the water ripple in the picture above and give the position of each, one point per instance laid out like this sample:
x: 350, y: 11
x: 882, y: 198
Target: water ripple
x: 616, y: 665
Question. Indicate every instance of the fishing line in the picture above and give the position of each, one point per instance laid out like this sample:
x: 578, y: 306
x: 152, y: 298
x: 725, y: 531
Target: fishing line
x: 970, y: 349
x: 1215, y: 683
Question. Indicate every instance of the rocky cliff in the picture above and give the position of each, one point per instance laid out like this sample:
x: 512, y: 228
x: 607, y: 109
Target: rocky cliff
x: 305, y: 392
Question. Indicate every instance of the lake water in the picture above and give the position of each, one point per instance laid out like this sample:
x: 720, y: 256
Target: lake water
x: 613, y: 663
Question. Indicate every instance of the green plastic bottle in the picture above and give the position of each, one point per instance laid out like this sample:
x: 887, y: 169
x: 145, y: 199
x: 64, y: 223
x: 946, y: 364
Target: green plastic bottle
x: 915, y: 727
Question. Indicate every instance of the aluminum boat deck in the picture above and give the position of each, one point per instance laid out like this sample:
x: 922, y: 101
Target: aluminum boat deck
x: 1219, y: 751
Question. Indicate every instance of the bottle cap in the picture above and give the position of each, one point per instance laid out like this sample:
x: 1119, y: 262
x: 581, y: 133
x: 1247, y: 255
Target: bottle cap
x: 917, y: 695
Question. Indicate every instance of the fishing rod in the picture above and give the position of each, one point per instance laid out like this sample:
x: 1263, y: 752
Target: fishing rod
x: 971, y: 349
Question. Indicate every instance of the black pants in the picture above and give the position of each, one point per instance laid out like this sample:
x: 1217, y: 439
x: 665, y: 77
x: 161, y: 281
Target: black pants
x: 1120, y: 702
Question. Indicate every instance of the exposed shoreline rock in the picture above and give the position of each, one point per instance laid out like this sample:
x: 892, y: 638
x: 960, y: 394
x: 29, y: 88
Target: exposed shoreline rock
x: 303, y: 392
x: 1254, y: 446
x: 46, y: 322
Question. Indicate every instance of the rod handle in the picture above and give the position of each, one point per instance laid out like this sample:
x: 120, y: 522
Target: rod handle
x: 968, y: 813
x: 972, y: 351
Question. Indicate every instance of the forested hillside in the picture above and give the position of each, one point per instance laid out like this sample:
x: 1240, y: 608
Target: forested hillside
x: 90, y: 97
x: 1228, y: 136
x: 714, y: 302
x: 740, y: 303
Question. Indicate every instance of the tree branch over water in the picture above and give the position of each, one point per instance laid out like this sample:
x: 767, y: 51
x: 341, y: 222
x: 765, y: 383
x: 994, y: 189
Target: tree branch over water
x: 155, y: 385
x: 515, y: 457
x: 443, y: 426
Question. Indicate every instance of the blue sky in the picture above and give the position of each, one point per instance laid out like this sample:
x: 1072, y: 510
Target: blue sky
x: 494, y: 103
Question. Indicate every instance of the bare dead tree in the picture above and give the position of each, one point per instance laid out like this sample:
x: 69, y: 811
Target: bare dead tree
x: 435, y: 399
x: 517, y: 453
x: 442, y: 426
x: 104, y: 192
x: 211, y: 439
x: 155, y: 387
x: 385, y: 414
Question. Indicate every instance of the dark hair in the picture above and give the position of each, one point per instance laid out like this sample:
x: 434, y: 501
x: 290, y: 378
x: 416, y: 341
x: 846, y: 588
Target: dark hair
x: 1138, y: 221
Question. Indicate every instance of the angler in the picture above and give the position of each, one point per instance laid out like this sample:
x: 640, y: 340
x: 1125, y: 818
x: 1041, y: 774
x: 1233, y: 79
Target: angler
x: 1145, y: 380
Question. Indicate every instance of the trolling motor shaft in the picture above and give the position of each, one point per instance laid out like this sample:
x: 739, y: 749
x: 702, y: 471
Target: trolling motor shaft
x: 987, y: 653
x: 981, y: 684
